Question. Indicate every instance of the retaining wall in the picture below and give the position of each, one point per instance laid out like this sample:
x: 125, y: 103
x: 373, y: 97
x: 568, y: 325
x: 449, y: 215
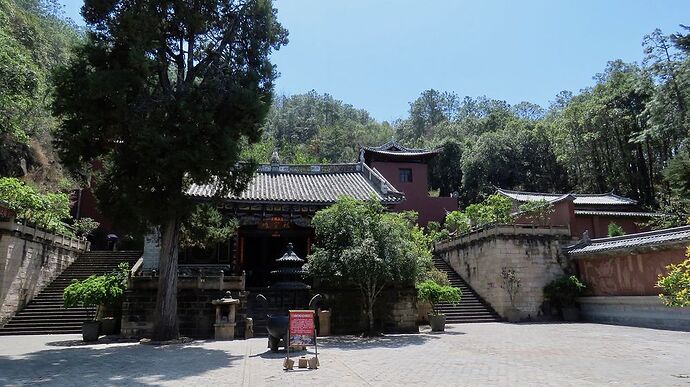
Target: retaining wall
x: 533, y: 252
x: 30, y: 259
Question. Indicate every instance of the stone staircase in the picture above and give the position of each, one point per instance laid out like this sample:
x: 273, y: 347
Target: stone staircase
x: 45, y: 314
x: 472, y: 308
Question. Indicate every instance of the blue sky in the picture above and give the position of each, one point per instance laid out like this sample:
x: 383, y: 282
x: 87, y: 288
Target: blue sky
x: 381, y: 54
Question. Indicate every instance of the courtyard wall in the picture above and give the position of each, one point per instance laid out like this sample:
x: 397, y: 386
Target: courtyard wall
x: 533, y: 252
x: 195, y: 313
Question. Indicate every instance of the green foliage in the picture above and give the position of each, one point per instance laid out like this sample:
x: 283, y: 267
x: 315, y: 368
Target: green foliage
x: 205, y: 227
x: 434, y: 293
x: 563, y: 291
x: 85, y: 226
x: 314, y: 128
x: 358, y: 243
x: 435, y: 232
x: 510, y: 282
x: 457, y: 222
x: 435, y: 275
x: 158, y: 119
x: 496, y: 209
x: 34, y: 39
x: 97, y: 290
x: 537, y: 211
x: 45, y: 210
x: 675, y: 213
x: 676, y: 284
x: 615, y: 230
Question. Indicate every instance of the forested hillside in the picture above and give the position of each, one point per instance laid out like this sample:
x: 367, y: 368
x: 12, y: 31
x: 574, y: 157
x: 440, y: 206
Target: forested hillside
x: 627, y: 133
x: 34, y: 39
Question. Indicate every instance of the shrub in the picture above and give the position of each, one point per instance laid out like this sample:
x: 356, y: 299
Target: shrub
x: 615, y: 230
x: 97, y: 290
x: 457, y: 222
x: 564, y: 290
x: 537, y: 211
x: 494, y: 209
x: 676, y: 284
x: 434, y: 293
x: 85, y: 226
x: 510, y: 283
x: 45, y: 210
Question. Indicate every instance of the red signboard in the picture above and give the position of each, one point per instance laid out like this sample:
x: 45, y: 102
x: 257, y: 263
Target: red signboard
x: 302, y: 330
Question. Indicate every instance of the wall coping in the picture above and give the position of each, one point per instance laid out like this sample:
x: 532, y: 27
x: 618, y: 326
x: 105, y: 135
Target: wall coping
x: 38, y: 234
x: 629, y: 300
x: 495, y: 230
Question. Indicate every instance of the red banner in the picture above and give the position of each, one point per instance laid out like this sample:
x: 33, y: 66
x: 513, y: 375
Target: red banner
x: 302, y: 330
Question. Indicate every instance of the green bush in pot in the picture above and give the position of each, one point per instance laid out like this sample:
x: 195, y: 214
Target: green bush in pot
x: 563, y: 292
x: 434, y: 293
x: 101, y: 291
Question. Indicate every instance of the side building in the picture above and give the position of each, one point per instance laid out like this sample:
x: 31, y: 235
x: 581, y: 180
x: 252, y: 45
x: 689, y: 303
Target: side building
x: 587, y: 212
x: 408, y: 170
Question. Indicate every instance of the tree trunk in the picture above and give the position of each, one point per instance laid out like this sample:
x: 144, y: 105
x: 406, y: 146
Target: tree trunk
x: 165, y: 323
x: 370, y: 316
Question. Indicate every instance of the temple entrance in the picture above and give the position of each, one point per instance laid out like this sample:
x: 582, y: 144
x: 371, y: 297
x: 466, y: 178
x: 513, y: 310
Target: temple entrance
x: 260, y: 248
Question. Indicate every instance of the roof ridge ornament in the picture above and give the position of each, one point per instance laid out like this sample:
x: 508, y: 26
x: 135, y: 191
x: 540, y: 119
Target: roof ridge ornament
x: 275, y: 158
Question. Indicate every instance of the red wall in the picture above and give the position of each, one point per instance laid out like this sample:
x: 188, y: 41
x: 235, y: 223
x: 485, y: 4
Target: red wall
x: 626, y: 273
x: 417, y: 192
x: 598, y: 226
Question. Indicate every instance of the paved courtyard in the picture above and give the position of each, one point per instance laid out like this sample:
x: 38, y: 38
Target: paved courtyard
x: 467, y: 354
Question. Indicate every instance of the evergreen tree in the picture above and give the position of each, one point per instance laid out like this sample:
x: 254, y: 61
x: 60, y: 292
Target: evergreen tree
x: 164, y: 94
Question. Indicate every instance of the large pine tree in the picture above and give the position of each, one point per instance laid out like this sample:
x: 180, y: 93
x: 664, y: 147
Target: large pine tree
x: 163, y: 94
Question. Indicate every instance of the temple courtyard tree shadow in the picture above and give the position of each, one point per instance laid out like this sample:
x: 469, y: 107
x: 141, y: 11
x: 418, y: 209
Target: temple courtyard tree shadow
x: 117, y: 364
x: 385, y: 341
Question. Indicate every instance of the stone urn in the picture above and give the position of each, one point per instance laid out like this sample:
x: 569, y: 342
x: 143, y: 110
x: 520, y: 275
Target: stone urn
x: 437, y: 322
x: 90, y: 330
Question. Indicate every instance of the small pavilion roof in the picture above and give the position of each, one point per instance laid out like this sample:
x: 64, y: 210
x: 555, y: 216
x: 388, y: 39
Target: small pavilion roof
x: 397, y: 150
x: 309, y: 184
x: 606, y: 199
x: 668, y: 236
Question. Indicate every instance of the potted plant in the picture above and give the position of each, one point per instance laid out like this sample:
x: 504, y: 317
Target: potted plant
x: 562, y: 292
x: 99, y: 291
x: 511, y: 284
x: 434, y: 293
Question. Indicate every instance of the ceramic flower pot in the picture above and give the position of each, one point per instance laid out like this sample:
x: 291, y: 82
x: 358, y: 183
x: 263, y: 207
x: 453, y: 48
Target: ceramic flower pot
x: 437, y: 322
x: 90, y: 330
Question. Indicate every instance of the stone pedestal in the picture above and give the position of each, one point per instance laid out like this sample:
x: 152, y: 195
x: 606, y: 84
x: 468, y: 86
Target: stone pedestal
x: 225, y: 317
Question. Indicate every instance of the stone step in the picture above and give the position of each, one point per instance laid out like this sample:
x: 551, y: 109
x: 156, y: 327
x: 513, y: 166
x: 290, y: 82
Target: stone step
x: 471, y: 307
x: 51, y: 331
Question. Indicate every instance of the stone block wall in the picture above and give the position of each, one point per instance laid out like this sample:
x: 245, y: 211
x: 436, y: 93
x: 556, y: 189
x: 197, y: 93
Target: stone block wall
x: 640, y: 311
x: 533, y: 252
x: 29, y: 260
x: 196, y: 314
x: 395, y: 310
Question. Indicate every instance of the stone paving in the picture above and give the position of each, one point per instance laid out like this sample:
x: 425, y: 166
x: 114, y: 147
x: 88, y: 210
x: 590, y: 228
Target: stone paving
x: 467, y: 354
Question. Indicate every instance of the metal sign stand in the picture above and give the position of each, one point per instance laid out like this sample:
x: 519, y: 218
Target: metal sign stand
x: 288, y: 364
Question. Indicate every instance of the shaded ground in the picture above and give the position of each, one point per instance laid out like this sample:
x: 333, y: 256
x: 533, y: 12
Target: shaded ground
x: 469, y: 354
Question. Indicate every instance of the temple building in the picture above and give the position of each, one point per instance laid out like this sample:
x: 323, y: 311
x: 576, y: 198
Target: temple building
x: 587, y: 212
x: 408, y: 170
x: 277, y: 206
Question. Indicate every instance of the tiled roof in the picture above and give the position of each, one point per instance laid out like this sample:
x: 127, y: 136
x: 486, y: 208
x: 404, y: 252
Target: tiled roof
x: 312, y: 184
x: 651, y: 238
x: 392, y: 147
x: 617, y: 213
x: 584, y: 199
